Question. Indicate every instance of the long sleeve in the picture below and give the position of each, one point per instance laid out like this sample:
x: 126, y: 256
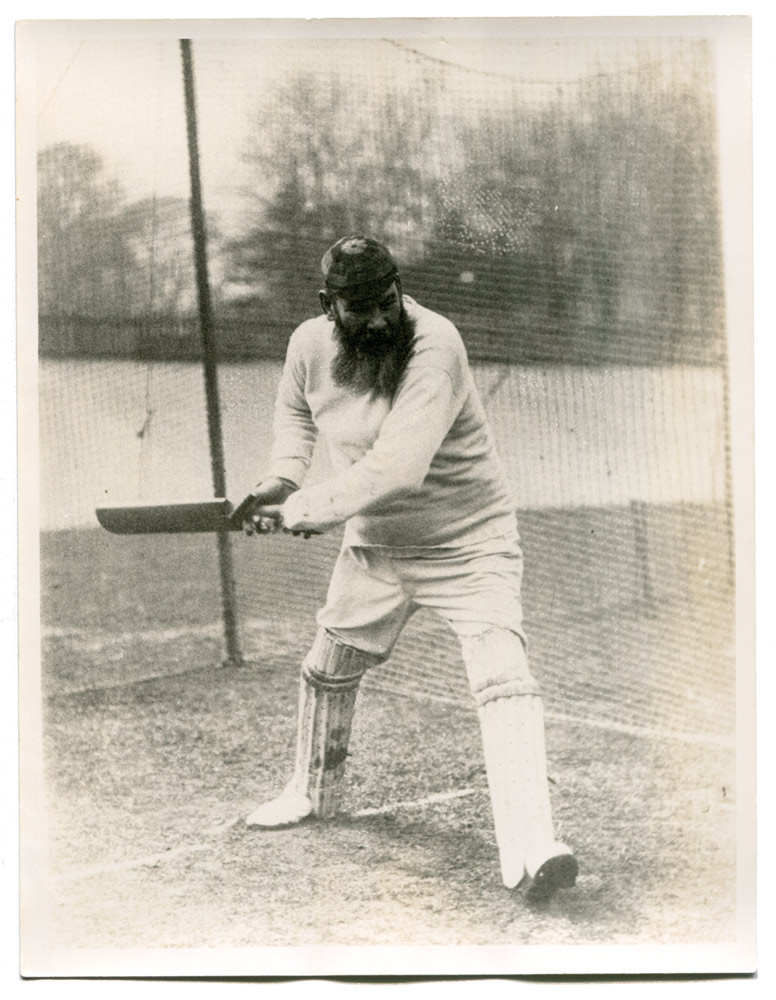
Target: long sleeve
x: 397, y: 463
x: 293, y: 426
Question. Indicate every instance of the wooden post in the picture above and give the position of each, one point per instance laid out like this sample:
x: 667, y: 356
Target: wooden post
x: 207, y: 328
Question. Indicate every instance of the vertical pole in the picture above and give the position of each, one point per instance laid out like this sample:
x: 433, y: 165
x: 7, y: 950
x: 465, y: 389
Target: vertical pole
x: 207, y: 329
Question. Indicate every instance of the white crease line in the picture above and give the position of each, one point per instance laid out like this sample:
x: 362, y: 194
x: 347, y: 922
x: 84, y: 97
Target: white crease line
x: 659, y: 734
x: 152, y: 860
x: 94, y: 637
x: 414, y: 803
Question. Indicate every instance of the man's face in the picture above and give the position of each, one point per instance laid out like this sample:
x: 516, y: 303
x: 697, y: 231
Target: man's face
x: 375, y: 336
x: 368, y: 321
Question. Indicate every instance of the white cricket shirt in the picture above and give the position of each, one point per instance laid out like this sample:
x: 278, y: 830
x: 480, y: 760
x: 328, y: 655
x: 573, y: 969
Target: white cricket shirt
x: 417, y: 470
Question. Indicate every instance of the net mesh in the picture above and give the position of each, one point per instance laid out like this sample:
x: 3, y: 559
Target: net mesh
x: 555, y: 198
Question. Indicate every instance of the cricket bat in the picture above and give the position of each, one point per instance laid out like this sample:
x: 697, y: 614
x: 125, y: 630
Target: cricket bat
x: 140, y: 519
x: 199, y: 515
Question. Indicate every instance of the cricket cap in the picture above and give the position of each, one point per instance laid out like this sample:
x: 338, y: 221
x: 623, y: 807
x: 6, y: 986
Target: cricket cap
x: 355, y: 261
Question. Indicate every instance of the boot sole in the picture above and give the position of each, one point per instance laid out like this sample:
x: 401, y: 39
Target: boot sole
x: 559, y: 872
x: 278, y: 826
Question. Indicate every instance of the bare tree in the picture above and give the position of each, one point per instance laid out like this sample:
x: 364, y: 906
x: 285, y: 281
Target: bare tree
x: 85, y: 262
x: 322, y: 163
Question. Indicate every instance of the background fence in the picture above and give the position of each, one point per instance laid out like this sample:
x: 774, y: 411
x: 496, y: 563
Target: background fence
x: 557, y: 199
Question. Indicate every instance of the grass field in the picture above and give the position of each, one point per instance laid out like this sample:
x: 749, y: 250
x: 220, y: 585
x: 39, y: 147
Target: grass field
x: 154, y: 753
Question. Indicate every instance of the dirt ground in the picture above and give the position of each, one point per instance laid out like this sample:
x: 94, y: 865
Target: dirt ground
x: 155, y: 753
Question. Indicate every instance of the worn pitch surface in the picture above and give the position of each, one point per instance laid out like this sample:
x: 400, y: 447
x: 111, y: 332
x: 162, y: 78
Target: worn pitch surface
x: 154, y: 754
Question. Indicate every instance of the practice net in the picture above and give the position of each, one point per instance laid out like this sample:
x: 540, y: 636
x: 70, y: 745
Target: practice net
x: 556, y: 198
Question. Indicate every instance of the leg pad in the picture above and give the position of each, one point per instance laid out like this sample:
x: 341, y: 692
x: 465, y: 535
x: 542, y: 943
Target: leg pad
x: 512, y: 725
x: 330, y: 677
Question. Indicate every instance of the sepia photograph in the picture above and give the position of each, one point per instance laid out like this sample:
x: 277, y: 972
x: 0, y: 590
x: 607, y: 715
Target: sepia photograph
x: 309, y: 310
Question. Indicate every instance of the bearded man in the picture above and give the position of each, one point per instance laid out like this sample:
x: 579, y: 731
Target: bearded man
x: 429, y: 523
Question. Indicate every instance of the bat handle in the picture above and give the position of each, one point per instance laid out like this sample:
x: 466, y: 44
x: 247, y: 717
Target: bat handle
x: 243, y: 511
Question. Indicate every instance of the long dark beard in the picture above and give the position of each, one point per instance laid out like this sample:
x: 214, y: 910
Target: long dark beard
x: 364, y: 364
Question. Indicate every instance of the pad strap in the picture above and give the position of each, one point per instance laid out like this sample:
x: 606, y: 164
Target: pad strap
x: 499, y: 687
x: 332, y: 664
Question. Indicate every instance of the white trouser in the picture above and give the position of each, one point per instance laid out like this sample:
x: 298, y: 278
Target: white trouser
x: 476, y: 589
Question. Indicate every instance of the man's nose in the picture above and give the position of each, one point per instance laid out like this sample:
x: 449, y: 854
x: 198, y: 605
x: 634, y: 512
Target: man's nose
x: 376, y: 322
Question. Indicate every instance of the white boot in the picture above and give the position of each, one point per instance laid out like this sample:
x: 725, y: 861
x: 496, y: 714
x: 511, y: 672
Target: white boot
x: 288, y: 808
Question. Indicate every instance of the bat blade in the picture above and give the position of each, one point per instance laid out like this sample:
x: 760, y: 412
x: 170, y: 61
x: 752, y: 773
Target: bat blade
x: 141, y: 519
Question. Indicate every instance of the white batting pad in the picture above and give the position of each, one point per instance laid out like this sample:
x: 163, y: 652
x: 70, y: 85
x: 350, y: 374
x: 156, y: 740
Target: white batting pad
x: 512, y: 724
x: 513, y: 743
